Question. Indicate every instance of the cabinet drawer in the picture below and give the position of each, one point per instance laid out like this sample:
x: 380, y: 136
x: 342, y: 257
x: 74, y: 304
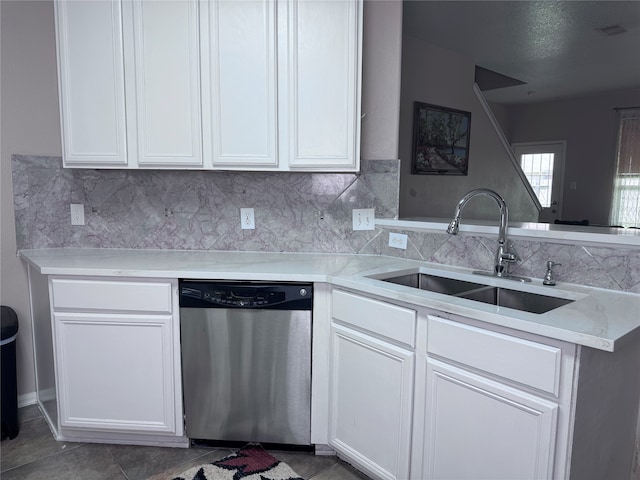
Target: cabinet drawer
x: 533, y: 364
x: 391, y: 321
x: 111, y: 295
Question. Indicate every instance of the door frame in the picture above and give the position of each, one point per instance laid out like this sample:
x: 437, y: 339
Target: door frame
x: 558, y: 178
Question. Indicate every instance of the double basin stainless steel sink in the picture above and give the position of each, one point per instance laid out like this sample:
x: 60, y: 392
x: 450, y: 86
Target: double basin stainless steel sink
x: 498, y: 296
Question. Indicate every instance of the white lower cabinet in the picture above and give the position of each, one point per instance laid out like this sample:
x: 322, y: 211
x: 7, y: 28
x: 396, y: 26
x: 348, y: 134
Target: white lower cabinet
x: 418, y: 396
x: 117, y: 356
x: 477, y: 428
x: 493, y: 405
x: 371, y: 387
x: 115, y: 372
x: 372, y: 384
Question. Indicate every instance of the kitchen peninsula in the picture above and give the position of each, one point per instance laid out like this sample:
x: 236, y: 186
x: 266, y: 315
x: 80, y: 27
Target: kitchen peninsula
x: 546, y: 373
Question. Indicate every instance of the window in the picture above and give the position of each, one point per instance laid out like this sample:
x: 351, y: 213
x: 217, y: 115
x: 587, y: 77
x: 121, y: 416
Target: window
x: 625, y: 205
x: 538, y: 167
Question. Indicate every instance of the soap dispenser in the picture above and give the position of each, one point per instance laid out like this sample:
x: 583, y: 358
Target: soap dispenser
x: 548, y: 277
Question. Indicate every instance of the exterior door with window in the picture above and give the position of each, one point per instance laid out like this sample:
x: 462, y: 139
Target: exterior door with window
x: 543, y: 165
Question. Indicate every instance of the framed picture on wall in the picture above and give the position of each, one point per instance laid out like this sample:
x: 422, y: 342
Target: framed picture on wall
x: 440, y: 140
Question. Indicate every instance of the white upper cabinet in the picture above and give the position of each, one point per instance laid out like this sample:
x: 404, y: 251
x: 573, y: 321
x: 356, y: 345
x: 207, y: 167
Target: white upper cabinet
x: 231, y: 85
x: 129, y: 75
x: 240, y: 58
x: 167, y: 83
x: 322, y: 110
x: 283, y: 89
x: 91, y: 83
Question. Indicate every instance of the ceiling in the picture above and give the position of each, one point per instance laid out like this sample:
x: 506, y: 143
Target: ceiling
x: 552, y: 46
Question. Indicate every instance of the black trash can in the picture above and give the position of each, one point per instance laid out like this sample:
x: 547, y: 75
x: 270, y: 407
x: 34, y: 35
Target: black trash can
x: 9, y: 380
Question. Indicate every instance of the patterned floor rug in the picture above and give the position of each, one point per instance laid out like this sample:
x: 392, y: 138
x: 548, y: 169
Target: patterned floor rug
x: 251, y: 462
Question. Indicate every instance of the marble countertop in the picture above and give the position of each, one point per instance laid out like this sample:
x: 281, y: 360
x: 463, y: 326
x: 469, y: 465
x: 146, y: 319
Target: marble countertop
x: 598, y: 318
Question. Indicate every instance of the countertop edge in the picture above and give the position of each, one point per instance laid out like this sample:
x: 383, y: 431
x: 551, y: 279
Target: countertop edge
x: 349, y: 271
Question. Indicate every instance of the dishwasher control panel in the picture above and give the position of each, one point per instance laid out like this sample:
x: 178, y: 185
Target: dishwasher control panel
x: 219, y: 294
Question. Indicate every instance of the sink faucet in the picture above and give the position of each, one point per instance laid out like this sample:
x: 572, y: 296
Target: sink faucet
x: 503, y: 257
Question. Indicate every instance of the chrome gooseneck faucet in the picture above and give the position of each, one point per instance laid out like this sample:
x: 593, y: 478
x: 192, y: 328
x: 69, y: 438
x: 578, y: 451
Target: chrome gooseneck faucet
x: 503, y: 257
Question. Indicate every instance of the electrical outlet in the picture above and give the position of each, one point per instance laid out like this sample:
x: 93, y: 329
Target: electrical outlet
x: 398, y: 240
x: 77, y: 213
x: 247, y: 219
x: 364, y: 219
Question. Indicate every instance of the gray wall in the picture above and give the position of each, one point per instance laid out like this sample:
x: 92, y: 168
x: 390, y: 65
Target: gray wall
x: 30, y: 125
x: 441, y: 77
x: 382, y: 33
x: 589, y: 126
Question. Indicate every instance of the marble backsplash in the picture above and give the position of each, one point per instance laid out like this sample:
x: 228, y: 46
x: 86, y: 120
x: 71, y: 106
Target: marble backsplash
x: 613, y: 268
x: 294, y: 212
x: 169, y: 209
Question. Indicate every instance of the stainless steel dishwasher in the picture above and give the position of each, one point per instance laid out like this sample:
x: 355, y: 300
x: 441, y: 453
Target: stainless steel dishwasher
x: 246, y: 361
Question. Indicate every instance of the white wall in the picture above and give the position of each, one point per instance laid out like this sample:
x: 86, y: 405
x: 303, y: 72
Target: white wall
x: 30, y: 125
x: 441, y: 77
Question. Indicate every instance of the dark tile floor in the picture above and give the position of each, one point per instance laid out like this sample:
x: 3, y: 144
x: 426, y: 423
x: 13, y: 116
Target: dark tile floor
x: 35, y: 455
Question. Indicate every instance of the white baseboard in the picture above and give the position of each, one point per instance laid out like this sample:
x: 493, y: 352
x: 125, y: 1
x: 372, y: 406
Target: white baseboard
x: 26, y: 399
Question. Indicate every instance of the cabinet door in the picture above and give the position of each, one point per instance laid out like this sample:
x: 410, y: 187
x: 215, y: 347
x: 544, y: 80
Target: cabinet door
x: 240, y: 58
x: 167, y: 83
x: 477, y: 428
x: 91, y: 83
x: 371, y: 402
x: 115, y: 372
x: 320, y: 122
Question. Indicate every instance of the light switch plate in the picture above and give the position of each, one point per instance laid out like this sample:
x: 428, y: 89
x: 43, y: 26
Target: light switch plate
x: 364, y: 219
x: 398, y: 240
x: 247, y: 219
